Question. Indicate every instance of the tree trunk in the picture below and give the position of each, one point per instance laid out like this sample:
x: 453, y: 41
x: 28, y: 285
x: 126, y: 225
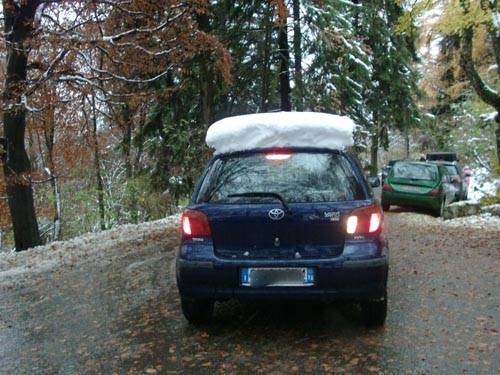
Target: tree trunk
x: 56, y: 230
x: 127, y: 139
x: 356, y: 10
x: 18, y: 24
x: 206, y: 76
x: 140, y: 144
x: 497, y: 133
x: 485, y: 93
x: 297, y: 52
x: 266, y: 61
x: 374, y: 147
x: 97, y: 158
x: 206, y: 94
x: 493, y: 29
x: 49, y: 135
x: 284, y: 72
x: 407, y: 142
x: 97, y: 166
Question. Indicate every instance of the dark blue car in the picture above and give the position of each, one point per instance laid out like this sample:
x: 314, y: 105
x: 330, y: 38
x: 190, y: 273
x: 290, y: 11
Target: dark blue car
x: 295, y: 223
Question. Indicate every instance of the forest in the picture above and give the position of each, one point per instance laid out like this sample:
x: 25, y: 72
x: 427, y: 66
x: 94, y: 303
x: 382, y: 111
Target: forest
x: 106, y: 103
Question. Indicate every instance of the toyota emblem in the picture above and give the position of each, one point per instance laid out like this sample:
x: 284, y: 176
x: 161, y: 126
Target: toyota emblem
x: 276, y: 214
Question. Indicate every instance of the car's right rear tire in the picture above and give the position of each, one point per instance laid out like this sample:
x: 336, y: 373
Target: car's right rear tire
x: 440, y: 211
x: 197, y: 311
x: 374, y: 312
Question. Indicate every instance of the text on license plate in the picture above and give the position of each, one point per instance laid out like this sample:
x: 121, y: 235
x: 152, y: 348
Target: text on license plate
x: 277, y: 276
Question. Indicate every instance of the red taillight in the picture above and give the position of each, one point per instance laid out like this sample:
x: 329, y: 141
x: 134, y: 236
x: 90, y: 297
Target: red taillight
x: 387, y: 187
x: 435, y: 192
x: 194, y: 224
x: 366, y: 220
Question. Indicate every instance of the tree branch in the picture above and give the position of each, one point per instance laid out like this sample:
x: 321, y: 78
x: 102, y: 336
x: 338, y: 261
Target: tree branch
x: 47, y: 74
x: 486, y: 93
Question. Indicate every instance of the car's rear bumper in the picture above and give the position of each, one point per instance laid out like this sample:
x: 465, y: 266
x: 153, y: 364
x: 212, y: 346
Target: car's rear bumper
x: 411, y: 200
x: 339, y: 278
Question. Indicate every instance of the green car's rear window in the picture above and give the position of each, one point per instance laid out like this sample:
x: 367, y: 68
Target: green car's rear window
x: 415, y: 171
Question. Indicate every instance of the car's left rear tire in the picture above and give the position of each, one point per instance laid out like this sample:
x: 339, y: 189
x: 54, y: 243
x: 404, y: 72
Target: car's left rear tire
x: 197, y: 311
x: 374, y: 312
x: 386, y: 206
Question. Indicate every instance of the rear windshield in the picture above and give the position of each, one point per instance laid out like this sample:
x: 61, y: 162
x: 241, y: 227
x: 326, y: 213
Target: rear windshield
x: 415, y: 171
x: 300, y: 177
x: 451, y: 170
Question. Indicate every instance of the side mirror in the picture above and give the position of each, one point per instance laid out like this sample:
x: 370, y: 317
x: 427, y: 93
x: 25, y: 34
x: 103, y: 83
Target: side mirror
x: 374, y: 181
x: 446, y: 179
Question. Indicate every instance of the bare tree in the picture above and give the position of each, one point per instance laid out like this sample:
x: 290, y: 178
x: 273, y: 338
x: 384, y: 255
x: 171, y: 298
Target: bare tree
x: 18, y: 24
x: 140, y: 43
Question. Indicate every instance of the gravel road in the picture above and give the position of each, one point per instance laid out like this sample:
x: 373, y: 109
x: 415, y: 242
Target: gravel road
x: 108, y: 304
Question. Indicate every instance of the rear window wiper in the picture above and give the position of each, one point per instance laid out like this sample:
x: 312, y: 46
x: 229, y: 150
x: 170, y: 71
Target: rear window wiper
x: 262, y: 194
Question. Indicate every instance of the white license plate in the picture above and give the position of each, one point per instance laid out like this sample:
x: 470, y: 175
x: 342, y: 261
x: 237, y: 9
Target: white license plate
x: 411, y: 189
x: 277, y: 276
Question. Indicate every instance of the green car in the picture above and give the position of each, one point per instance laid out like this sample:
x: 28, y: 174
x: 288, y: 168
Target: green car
x: 418, y: 184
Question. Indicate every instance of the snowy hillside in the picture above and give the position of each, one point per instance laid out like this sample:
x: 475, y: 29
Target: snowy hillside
x: 482, y: 185
x: 91, y: 246
x: 104, y: 246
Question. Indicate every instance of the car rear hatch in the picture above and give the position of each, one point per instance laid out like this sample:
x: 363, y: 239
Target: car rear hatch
x: 413, y: 178
x: 279, y: 204
x: 250, y: 232
x: 419, y: 187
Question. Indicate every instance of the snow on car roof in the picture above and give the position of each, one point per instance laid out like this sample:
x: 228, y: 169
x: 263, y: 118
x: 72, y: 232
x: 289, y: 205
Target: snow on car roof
x: 280, y: 130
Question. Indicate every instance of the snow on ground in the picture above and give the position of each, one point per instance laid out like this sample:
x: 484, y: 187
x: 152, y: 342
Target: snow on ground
x: 483, y: 221
x: 92, y: 245
x: 96, y: 247
x: 489, y: 116
x: 280, y: 129
x: 482, y: 185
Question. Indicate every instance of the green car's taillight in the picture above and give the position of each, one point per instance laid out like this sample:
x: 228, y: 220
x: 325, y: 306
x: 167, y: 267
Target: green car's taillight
x: 435, y: 192
x: 387, y: 187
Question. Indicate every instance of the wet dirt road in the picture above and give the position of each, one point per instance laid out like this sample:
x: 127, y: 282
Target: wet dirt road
x: 120, y: 313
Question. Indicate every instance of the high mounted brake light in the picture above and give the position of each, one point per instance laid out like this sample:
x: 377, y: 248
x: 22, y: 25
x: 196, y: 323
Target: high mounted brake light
x: 194, y: 224
x: 277, y: 156
x: 365, y: 220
